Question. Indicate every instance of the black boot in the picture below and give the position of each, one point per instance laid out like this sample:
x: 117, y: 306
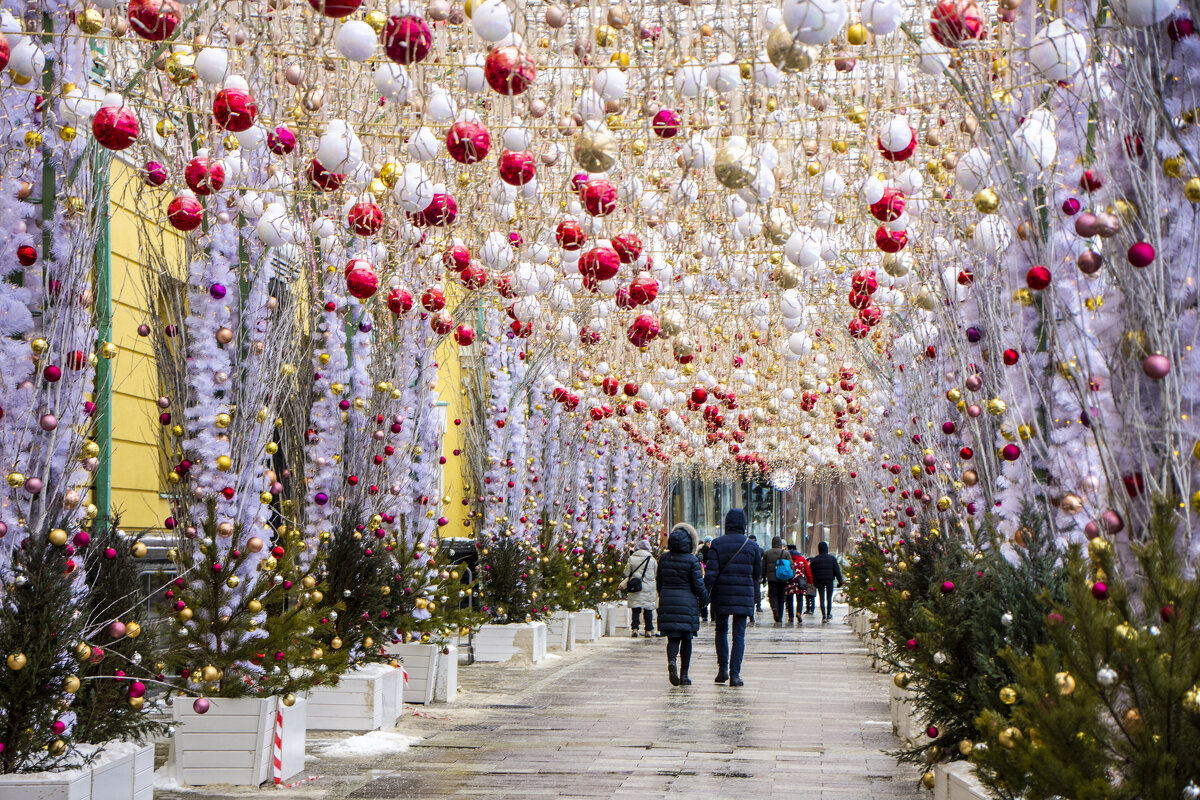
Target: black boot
x: 673, y: 673
x: 722, y: 675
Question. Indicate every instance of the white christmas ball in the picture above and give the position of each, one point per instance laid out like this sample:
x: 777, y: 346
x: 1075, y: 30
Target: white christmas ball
x: 610, y: 83
x: 339, y: 149
x: 413, y: 190
x: 832, y: 185
x: 972, y: 170
x: 516, y: 136
x: 698, y: 153
x: 1035, y: 148
x: 803, y: 247
x: 881, y: 17
x: 212, y: 65
x: 1058, y: 51
x: 440, y: 108
x: 815, y: 21
x: 910, y: 181
x: 723, y: 75
x: 273, y: 228
x: 253, y: 138
x: 392, y: 81
x: 992, y: 236
x: 472, y: 78
x: 765, y: 73
x: 26, y: 58
x: 871, y: 190
x: 81, y: 103
x: 791, y: 304
x: 423, y: 145
x: 689, y: 79
x: 1143, y: 13
x: 934, y: 58
x: 355, y: 40
x: 496, y: 252
x: 491, y: 20
x: 896, y: 134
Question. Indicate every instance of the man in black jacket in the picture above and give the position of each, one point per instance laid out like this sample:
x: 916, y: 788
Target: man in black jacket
x: 732, y: 577
x: 825, y: 569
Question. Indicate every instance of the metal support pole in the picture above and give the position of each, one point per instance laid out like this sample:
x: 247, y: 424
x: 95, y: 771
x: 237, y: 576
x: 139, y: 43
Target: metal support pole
x: 103, y: 392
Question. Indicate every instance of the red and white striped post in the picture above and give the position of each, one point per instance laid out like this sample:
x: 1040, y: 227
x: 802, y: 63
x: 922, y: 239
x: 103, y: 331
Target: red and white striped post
x: 277, y: 752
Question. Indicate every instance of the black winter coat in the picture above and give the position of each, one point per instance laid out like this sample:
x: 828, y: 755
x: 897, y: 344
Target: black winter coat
x: 825, y: 569
x: 681, y: 589
x: 732, y: 582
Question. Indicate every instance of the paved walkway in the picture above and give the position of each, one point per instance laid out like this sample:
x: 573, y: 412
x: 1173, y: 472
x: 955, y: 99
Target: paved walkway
x: 603, y: 722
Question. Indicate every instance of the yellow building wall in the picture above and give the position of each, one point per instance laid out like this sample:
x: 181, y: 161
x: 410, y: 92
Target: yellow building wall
x: 454, y: 479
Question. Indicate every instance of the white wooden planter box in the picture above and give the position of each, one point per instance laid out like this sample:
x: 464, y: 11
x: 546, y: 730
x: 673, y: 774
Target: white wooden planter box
x: 905, y: 721
x: 420, y: 662
x: 560, y: 631
x: 124, y: 771
x: 525, y: 641
x: 233, y: 742
x: 365, y: 699
x: 956, y: 781
x: 587, y: 625
x: 617, y: 619
x: 446, y: 684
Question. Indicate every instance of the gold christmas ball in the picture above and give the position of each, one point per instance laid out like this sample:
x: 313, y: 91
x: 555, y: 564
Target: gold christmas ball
x: 316, y: 654
x: 68, y: 133
x: 1065, y: 683
x: 1008, y: 695
x: 223, y: 420
x: 1071, y: 503
x: 184, y: 614
x: 132, y: 630
x: 335, y: 643
x: 595, y: 149
x: 377, y: 20
x: 787, y: 276
x: 58, y: 747
x: 316, y: 596
x: 71, y: 684
x: 209, y: 674
x: 82, y: 652
x: 1098, y: 548
x: 857, y: 34
x: 1191, y: 190
x: 943, y: 503
x: 254, y: 606
x: 16, y: 661
x: 368, y: 642
x: 308, y: 582
x: 138, y: 550
x: 735, y: 165
x: 1191, y: 700
x: 224, y: 463
x: 136, y: 703
x: 90, y: 21
x: 901, y: 680
x: 224, y: 335
x: 996, y: 407
x: 987, y: 201
x: 1125, y: 633
x: 965, y: 747
x: 288, y: 700
x: 970, y: 477
x: 389, y: 173
x: 181, y: 69
x: 927, y: 780
x: 57, y: 537
x: 1009, y: 737
x: 787, y: 53
x: 233, y: 581
x: 606, y: 35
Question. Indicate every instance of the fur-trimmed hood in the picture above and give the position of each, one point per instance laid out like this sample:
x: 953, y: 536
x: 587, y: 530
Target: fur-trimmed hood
x: 693, y: 537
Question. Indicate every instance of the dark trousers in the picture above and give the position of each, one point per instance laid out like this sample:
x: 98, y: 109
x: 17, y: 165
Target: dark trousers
x: 775, y: 593
x: 810, y: 600
x: 790, y: 600
x: 727, y: 660
x: 825, y: 592
x: 648, y: 613
x: 681, y: 646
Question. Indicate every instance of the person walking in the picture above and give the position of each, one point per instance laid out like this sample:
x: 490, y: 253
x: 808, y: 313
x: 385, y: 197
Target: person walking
x: 777, y: 571
x: 640, y: 587
x: 825, y: 569
x: 798, y: 586
x: 681, y: 595
x: 732, y: 578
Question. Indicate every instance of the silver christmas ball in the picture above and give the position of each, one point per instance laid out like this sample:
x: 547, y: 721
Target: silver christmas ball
x: 1106, y: 676
x: 1006, y: 619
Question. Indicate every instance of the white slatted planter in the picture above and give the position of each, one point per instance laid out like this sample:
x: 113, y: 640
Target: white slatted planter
x: 420, y: 662
x: 123, y: 771
x: 364, y: 699
x: 446, y: 687
x: 560, y: 631
x: 233, y: 742
x: 521, y: 641
x: 621, y: 620
x: 956, y: 781
x: 587, y: 625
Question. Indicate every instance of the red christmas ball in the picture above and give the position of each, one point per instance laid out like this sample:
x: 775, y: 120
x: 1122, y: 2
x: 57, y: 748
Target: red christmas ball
x: 954, y: 23
x: 321, y: 178
x: 407, y: 39
x: 643, y: 290
x: 509, y: 70
x: 864, y: 281
x: 400, y: 301
x: 234, y: 110
x: 185, y: 213
x: 153, y: 20
x: 155, y: 174
x: 456, y: 257
x: 1010, y: 452
x: 468, y: 142
x: 643, y: 330
x: 26, y: 255
x: 365, y: 219
x: 204, y: 175
x: 115, y: 127
x: 433, y: 299
x: 599, y: 197
x: 628, y: 247
x: 361, y: 280
x: 474, y: 276
x: 335, y: 8
x: 442, y: 323
x: 599, y: 264
x: 5, y: 54
x: 587, y: 336
x: 890, y: 241
x: 517, y: 168
x: 871, y: 316
x: 441, y: 212
x: 569, y: 235
x: 890, y: 206
x: 1037, y: 278
x: 464, y: 335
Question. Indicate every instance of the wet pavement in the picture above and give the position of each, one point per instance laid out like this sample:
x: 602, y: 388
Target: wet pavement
x: 812, y: 721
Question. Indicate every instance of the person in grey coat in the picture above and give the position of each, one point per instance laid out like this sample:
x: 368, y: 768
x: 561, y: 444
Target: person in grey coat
x: 641, y: 564
x: 681, y: 595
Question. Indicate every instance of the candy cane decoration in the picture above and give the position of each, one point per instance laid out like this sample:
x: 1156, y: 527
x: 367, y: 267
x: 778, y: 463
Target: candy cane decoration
x: 277, y: 753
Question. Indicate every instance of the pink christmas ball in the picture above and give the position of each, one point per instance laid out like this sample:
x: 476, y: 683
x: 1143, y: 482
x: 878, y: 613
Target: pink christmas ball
x: 1089, y: 262
x: 5, y: 54
x: 335, y: 8
x: 947, y: 587
x: 911, y: 644
x: 406, y: 39
x: 52, y: 374
x: 1156, y: 366
x: 281, y: 141
x: 115, y: 127
x: 234, y: 110
x: 517, y: 168
x: 1141, y: 254
x: 953, y: 23
x: 1100, y: 590
x: 137, y: 689
x: 666, y: 123
x: 204, y: 176
x: 1112, y: 522
x: 48, y: 422
x: 116, y: 629
x: 1010, y: 452
x: 185, y: 213
x: 201, y: 705
x: 509, y: 70
x: 468, y: 142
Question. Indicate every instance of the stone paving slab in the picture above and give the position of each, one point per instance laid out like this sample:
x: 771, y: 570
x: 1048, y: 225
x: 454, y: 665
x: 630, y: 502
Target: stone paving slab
x: 603, y: 722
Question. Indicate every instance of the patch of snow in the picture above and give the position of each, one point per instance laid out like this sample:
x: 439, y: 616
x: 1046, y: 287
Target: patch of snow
x: 375, y: 743
x: 165, y: 780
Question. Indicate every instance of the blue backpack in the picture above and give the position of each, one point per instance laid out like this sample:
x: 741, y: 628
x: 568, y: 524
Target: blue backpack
x: 783, y: 567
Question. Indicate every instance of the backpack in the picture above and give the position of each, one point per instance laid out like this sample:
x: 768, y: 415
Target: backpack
x: 801, y: 580
x: 783, y: 567
x: 633, y: 584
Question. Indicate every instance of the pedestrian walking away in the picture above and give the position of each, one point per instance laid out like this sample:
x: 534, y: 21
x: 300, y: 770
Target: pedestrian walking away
x: 640, y: 587
x: 681, y: 595
x: 777, y: 572
x: 732, y: 579
x: 797, y: 586
x: 825, y: 570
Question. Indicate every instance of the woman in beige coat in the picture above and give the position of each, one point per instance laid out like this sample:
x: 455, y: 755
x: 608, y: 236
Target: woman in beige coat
x: 641, y: 564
